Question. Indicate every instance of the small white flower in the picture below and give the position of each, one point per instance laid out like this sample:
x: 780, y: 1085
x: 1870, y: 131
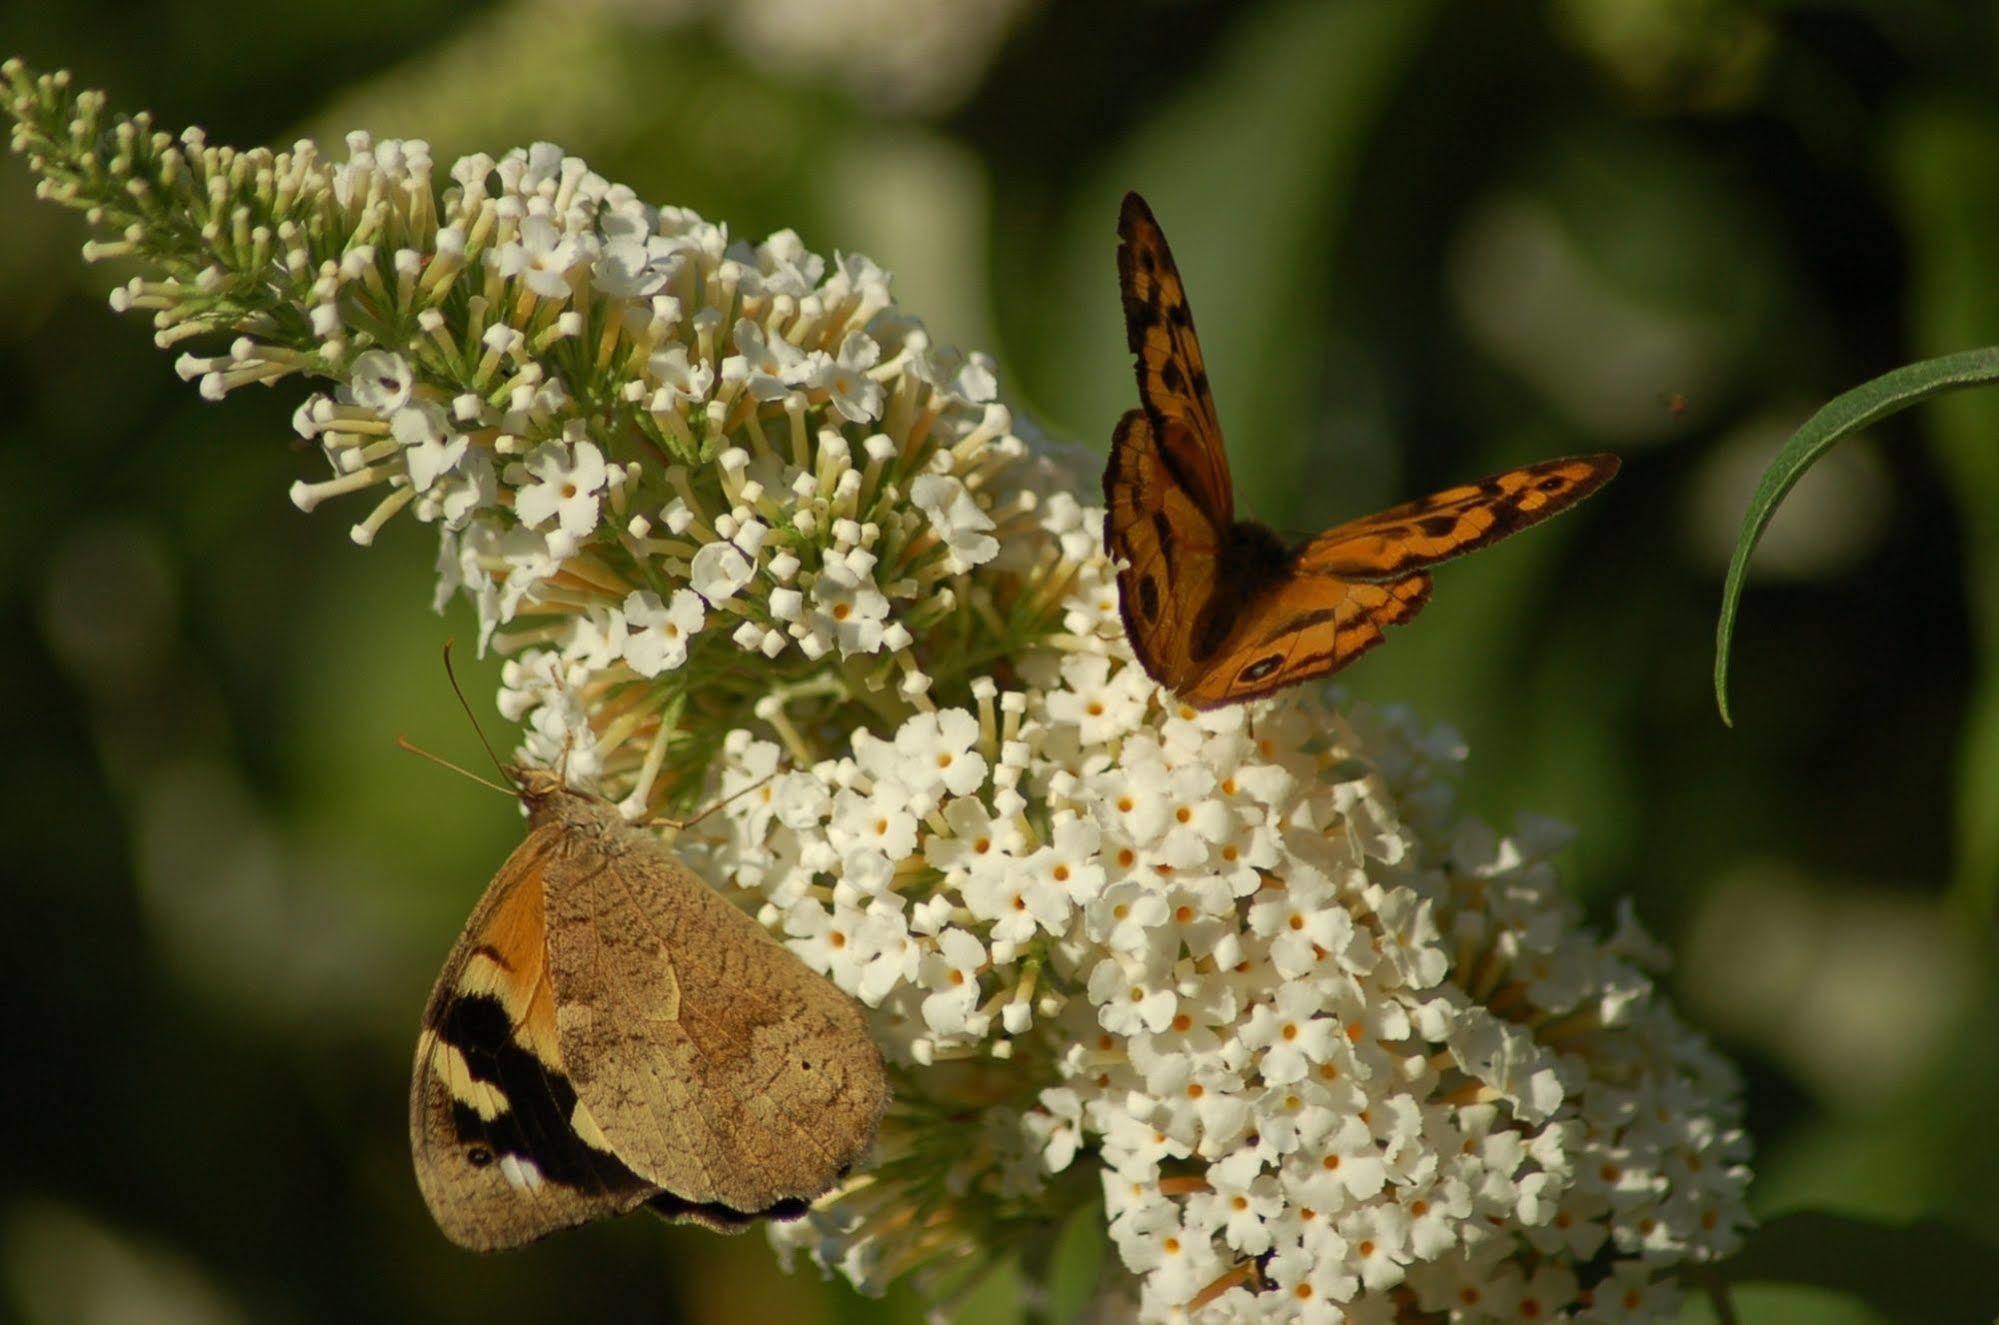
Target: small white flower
x: 957, y: 520
x: 679, y: 382
x: 430, y: 447
x: 625, y: 270
x: 660, y: 632
x: 951, y: 973
x: 380, y: 381
x: 848, y: 607
x: 845, y: 380
x: 566, y: 487
x: 542, y: 257
x: 719, y: 571
x: 770, y: 368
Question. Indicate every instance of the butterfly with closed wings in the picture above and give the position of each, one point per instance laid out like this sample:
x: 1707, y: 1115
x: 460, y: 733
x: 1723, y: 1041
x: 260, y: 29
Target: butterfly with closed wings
x: 609, y: 1032
x: 1220, y: 610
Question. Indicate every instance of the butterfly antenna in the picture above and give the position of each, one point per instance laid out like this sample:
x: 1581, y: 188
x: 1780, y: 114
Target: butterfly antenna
x: 451, y: 675
x: 404, y: 743
x: 678, y: 824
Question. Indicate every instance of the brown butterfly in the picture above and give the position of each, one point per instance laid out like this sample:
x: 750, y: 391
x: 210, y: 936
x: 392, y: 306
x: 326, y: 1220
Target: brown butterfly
x: 1219, y: 610
x: 610, y: 1032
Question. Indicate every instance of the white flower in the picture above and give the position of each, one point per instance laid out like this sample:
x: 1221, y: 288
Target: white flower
x: 769, y: 368
x: 567, y: 481
x: 957, y: 519
x: 951, y: 973
x: 847, y: 607
x: 625, y: 270
x: 680, y: 382
x: 431, y: 448
x: 719, y: 571
x: 542, y: 257
x: 845, y: 379
x: 380, y: 381
x: 660, y: 632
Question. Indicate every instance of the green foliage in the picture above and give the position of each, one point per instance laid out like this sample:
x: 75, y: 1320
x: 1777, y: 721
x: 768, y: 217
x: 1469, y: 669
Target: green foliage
x: 1842, y: 417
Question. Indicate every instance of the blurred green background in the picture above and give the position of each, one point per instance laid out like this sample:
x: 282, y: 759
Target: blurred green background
x: 1423, y: 239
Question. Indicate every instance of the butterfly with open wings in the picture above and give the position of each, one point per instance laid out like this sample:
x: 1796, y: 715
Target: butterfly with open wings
x: 1220, y: 610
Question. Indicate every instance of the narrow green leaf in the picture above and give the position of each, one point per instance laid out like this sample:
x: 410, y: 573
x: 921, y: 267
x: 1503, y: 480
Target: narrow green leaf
x: 1925, y: 1272
x: 1841, y: 417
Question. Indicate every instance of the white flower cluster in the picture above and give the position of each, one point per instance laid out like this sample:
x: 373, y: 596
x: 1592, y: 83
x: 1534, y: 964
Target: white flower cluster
x: 1340, y: 1054
x: 650, y: 449
x: 1324, y: 1049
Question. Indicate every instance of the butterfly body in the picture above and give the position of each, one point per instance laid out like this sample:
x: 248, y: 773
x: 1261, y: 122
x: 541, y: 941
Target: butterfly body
x: 610, y: 1032
x: 1220, y: 610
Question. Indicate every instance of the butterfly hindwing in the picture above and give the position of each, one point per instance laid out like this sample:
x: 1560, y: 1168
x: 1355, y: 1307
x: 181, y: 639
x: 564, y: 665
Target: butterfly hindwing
x: 1219, y: 610
x: 743, y: 1088
x: 1304, y: 627
x: 1169, y: 547
x: 1458, y: 520
x: 504, y: 1153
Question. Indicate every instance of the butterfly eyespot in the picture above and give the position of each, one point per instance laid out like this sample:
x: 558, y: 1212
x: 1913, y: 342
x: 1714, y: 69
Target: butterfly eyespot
x: 1555, y: 484
x: 478, y: 1157
x: 1170, y: 374
x: 1260, y: 669
x: 1436, y: 526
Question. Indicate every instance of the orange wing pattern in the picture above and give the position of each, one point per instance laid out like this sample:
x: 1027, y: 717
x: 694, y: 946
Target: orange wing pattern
x: 1172, y: 379
x: 504, y: 1152
x: 1219, y: 610
x: 1302, y: 628
x: 1453, y: 522
x: 1170, y: 548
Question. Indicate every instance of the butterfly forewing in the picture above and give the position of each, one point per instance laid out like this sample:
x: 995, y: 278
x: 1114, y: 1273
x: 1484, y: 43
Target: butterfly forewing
x: 503, y: 1153
x: 1457, y: 520
x: 1172, y: 377
x: 1219, y: 610
x: 610, y: 1032
x: 742, y: 1088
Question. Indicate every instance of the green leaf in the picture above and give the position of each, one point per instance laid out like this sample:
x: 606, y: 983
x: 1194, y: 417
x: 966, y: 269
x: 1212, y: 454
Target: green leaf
x: 1922, y: 1273
x: 1841, y: 417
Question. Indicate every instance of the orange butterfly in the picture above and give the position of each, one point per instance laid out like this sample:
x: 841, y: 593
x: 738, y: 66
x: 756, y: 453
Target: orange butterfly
x: 1219, y: 610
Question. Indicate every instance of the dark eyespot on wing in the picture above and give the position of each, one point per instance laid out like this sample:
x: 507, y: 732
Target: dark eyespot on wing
x: 1433, y: 526
x: 1260, y: 669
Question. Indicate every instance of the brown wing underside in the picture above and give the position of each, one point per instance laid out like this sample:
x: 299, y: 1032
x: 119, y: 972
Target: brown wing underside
x: 726, y: 1071
x: 495, y: 1131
